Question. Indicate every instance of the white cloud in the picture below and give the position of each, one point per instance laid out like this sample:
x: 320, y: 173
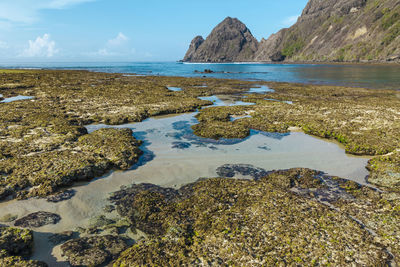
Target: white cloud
x: 27, y: 11
x: 117, y: 41
x: 41, y: 47
x: 58, y: 4
x: 117, y: 46
x: 289, y: 21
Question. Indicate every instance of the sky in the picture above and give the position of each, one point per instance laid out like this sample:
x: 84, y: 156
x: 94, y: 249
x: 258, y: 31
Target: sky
x: 126, y: 30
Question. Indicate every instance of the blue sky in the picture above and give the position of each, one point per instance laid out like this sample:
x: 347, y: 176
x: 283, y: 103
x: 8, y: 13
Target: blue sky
x: 126, y: 30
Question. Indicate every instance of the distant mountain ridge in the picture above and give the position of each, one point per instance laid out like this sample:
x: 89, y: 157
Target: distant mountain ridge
x: 327, y: 31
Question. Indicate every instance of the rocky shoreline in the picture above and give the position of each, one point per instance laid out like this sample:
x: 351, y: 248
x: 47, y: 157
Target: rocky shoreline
x: 297, y: 216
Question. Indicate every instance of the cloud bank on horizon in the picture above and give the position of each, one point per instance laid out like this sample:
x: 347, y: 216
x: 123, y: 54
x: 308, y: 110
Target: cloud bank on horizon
x: 123, y: 29
x: 41, y: 47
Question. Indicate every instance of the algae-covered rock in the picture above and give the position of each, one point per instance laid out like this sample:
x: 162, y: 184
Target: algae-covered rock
x: 93, y: 155
x: 15, y: 242
x: 38, y: 219
x: 234, y: 222
x: 59, y: 238
x: 115, y: 145
x: 16, y: 261
x: 44, y: 145
x: 62, y: 196
x: 230, y: 170
x: 93, y: 251
x: 385, y: 171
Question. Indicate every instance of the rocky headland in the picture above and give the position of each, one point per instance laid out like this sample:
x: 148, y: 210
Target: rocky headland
x: 326, y: 31
x: 230, y: 41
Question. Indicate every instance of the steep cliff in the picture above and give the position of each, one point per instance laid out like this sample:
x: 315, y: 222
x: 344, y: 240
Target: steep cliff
x: 339, y: 30
x: 326, y: 31
x: 230, y: 41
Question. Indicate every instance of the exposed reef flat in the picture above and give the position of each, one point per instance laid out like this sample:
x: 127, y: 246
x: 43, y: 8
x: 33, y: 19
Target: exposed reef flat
x: 365, y: 122
x: 296, y: 216
x: 278, y: 219
x: 43, y: 144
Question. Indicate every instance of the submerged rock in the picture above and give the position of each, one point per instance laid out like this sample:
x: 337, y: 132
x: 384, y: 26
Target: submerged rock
x: 181, y: 145
x: 93, y: 251
x: 38, y: 219
x: 59, y: 238
x: 231, y: 170
x: 65, y: 195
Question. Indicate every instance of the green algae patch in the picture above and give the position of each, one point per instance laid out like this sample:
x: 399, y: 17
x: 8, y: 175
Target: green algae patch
x: 15, y: 242
x: 364, y: 121
x: 20, y: 262
x: 228, y: 221
x: 15, y: 246
x: 44, y: 145
x: 385, y: 171
x: 378, y: 211
x: 41, y: 174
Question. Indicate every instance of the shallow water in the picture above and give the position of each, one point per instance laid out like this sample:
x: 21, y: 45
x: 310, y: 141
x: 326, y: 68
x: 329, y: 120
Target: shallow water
x: 225, y: 100
x: 16, y: 98
x: 369, y: 76
x: 174, y: 156
x: 174, y: 89
x: 276, y: 100
x: 261, y: 90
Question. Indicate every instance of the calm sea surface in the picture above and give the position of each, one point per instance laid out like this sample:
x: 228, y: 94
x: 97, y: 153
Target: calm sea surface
x: 369, y: 76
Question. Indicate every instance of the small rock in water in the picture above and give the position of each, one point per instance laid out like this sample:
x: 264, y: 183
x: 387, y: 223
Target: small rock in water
x: 67, y: 194
x: 100, y: 221
x: 59, y: 238
x: 181, y: 145
x: 264, y: 148
x: 38, y: 219
x: 205, y: 71
x: 231, y: 170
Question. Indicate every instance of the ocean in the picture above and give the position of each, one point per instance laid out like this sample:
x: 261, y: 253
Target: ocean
x: 368, y: 76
